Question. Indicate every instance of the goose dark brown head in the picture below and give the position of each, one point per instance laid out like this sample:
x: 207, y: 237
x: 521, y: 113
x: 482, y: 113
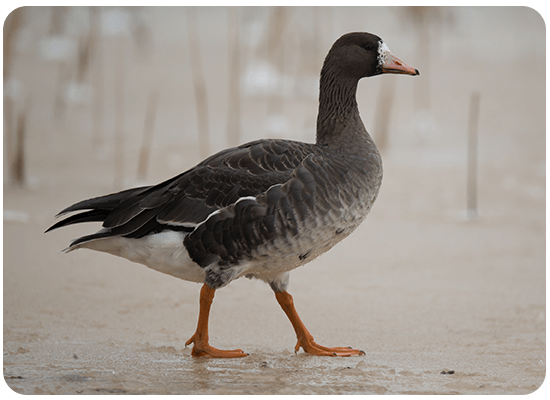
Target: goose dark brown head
x: 354, y: 56
x: 359, y: 55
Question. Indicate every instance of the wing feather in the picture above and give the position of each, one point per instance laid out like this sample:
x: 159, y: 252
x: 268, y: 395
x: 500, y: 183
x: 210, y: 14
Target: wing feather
x: 189, y: 198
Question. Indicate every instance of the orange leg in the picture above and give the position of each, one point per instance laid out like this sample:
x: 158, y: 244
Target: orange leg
x: 201, y: 348
x: 305, y: 340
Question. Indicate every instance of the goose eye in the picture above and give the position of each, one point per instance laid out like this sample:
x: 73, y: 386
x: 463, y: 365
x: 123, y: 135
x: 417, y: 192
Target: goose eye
x: 368, y: 47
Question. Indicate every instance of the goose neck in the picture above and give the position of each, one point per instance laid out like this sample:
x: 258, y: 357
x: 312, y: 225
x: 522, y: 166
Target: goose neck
x: 337, y: 106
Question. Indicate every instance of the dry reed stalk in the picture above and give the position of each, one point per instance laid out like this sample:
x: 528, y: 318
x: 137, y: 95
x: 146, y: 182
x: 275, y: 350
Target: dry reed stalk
x: 423, y: 19
x: 383, y: 113
x: 275, y: 53
x: 83, y: 58
x: 234, y: 103
x: 199, y: 83
x: 9, y: 133
x: 59, y: 102
x: 57, y: 23
x: 119, y: 114
x: 148, y: 128
x: 471, y: 180
x: 316, y: 35
x: 18, y: 166
x: 97, y: 78
x: 12, y: 24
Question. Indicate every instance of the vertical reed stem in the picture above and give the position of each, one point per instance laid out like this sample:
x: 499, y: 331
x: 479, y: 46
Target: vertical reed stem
x: 275, y: 46
x: 234, y: 104
x: 198, y: 83
x: 471, y: 184
x: 383, y: 113
x: 148, y: 127
x: 97, y: 100
x: 119, y: 115
x: 18, y: 167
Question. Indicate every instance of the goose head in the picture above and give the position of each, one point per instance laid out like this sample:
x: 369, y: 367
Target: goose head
x: 358, y: 55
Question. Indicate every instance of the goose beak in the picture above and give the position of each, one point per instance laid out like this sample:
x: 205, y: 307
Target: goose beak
x: 394, y: 65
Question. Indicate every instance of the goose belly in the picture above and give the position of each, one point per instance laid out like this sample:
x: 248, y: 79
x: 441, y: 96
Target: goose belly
x: 315, y: 236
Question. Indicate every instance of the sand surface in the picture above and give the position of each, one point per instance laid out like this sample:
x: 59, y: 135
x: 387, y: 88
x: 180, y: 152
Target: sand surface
x: 440, y: 304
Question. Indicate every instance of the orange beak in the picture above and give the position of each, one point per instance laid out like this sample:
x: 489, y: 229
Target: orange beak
x: 394, y: 65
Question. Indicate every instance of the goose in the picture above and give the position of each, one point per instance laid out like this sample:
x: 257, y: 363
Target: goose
x: 259, y: 210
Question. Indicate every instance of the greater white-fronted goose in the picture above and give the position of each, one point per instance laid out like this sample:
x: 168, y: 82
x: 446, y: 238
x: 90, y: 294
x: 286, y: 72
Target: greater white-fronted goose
x: 258, y: 210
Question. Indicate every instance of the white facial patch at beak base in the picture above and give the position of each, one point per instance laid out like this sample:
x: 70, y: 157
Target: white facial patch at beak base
x: 383, y: 51
x: 390, y: 64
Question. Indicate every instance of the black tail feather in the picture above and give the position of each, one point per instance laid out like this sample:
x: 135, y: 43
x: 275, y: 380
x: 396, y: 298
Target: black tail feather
x: 108, y: 202
x: 88, y: 238
x: 88, y: 216
x: 99, y: 207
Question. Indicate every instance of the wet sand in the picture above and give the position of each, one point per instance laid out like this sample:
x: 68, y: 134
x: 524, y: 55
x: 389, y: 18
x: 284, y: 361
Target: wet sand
x: 439, y: 303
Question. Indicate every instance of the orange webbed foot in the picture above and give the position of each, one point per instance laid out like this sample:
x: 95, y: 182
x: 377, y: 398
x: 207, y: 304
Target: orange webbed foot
x: 203, y: 349
x: 310, y: 347
x: 305, y: 340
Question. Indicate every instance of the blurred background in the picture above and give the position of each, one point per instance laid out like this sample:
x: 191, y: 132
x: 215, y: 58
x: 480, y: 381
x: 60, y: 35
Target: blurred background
x: 452, y: 256
x: 144, y: 93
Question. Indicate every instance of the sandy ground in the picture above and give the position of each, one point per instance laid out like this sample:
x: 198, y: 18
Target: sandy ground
x: 439, y: 303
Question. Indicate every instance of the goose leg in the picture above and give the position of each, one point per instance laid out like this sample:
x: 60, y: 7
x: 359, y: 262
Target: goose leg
x: 201, y: 348
x: 305, y: 339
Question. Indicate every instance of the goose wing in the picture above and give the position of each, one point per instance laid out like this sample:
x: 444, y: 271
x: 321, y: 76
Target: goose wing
x: 185, y: 200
